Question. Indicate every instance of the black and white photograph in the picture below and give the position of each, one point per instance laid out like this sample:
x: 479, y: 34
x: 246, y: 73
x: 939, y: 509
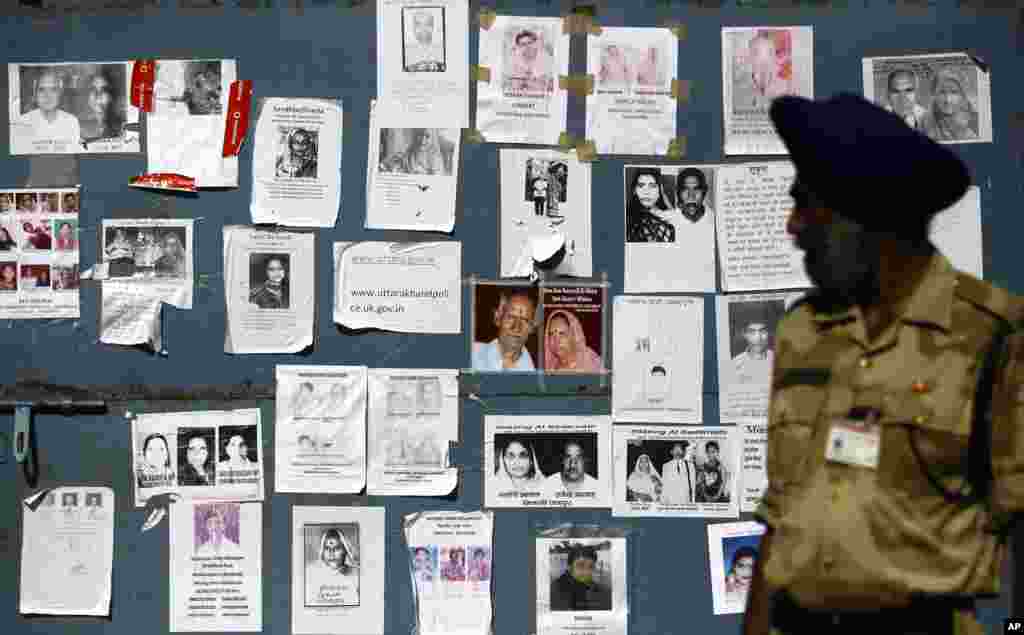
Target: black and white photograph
x: 428, y: 396
x: 192, y: 85
x: 505, y: 328
x: 423, y: 40
x: 331, y: 559
x: 649, y: 206
x: 69, y: 499
x: 237, y: 459
x: 528, y: 59
x: 752, y: 338
x: 71, y: 108
x: 418, y: 151
x: 196, y: 465
x: 154, y: 463
x: 676, y: 471
x: 581, y: 576
x: 146, y: 252
x: 547, y: 461
x: 545, y: 213
x: 945, y: 96
x: 297, y: 152
x: 268, y: 280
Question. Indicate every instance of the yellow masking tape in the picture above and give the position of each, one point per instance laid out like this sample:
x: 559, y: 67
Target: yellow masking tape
x: 577, y: 84
x: 586, y: 151
x: 676, y: 148
x: 486, y: 17
x: 681, y: 89
x: 481, y: 73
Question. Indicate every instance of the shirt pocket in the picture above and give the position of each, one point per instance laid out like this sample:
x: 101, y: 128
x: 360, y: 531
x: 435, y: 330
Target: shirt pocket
x: 924, y: 443
x: 792, y: 421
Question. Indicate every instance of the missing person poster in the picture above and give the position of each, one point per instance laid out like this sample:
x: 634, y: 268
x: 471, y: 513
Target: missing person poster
x: 658, y: 343
x: 412, y: 177
x: 758, y: 65
x: 733, y: 552
x: 338, y: 565
x: 581, y: 585
x: 518, y: 96
x: 270, y: 289
x: 450, y: 554
x: 39, y: 253
x: 72, y: 108
x: 412, y: 419
x: 146, y: 262
x: 945, y: 96
x: 755, y: 251
x: 185, y: 131
x: 403, y: 287
x: 547, y: 461
x: 296, y: 162
x: 753, y: 465
x: 67, y: 552
x: 631, y: 109
x: 320, y: 429
x: 423, y: 63
x: 215, y: 581
x: 677, y: 471
x: 545, y: 196
x: 212, y: 455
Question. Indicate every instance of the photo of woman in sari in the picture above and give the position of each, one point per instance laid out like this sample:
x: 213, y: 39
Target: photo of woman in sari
x: 565, y: 346
x: 644, y: 483
x: 517, y: 468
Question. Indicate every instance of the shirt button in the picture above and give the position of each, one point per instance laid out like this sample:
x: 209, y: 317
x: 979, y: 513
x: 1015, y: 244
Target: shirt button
x: 865, y: 362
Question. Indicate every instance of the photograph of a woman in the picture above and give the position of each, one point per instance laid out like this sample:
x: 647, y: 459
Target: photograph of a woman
x: 155, y: 468
x: 517, y: 468
x: 565, y: 345
x: 646, y: 204
x: 644, y: 482
x: 952, y: 116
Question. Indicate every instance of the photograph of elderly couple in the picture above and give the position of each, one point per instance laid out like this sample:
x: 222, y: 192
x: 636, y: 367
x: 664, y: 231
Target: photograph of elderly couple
x: 678, y: 472
x: 145, y: 252
x: 508, y: 324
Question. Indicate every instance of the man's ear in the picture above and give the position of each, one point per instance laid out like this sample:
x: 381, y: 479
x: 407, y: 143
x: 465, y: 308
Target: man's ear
x: 497, y: 317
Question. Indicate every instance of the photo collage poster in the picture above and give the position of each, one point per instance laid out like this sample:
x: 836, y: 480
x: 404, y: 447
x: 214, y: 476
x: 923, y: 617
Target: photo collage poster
x: 412, y: 418
x: 39, y: 253
x: 201, y: 456
x: 320, y: 429
x: 547, y: 461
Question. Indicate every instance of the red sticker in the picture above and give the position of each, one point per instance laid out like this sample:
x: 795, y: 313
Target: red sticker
x: 164, y: 181
x: 238, y: 116
x: 143, y: 77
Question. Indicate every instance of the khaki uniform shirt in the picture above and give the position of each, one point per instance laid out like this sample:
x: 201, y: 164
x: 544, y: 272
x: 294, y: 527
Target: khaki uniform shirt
x: 847, y: 537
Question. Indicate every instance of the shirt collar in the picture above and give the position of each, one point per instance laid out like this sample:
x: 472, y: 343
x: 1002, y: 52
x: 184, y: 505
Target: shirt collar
x: 931, y: 302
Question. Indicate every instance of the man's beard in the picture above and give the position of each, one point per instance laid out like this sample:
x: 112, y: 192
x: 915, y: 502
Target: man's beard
x: 841, y: 260
x: 693, y: 210
x: 571, y: 476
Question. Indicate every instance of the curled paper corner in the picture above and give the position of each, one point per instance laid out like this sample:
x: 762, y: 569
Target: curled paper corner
x: 153, y: 519
x: 33, y: 501
x: 410, y: 519
x: 472, y: 135
x: 979, y: 61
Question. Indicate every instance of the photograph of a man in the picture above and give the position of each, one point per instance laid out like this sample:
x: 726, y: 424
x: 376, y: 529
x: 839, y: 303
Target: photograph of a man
x: 577, y: 588
x: 423, y: 40
x: 692, y: 194
x: 512, y: 325
x: 529, y: 66
x: 573, y: 477
x: 752, y: 325
x: 902, y: 98
x: 679, y: 476
x: 48, y: 121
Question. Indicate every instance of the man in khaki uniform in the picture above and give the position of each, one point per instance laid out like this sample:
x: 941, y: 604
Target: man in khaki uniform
x: 872, y: 394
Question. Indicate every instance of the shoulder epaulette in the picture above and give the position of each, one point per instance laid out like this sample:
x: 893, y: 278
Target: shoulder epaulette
x: 988, y: 297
